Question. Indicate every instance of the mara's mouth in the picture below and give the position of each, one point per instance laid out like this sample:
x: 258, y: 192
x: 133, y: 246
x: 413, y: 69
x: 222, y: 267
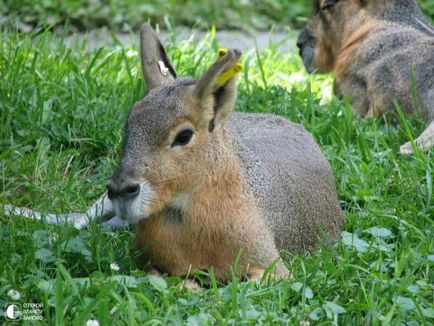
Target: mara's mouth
x: 134, y: 209
x: 129, y: 210
x: 149, y: 201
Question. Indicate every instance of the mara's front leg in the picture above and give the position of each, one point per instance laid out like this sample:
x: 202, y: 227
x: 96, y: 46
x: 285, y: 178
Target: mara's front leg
x: 425, y: 141
x: 279, y: 272
x: 355, y: 89
x: 101, y: 212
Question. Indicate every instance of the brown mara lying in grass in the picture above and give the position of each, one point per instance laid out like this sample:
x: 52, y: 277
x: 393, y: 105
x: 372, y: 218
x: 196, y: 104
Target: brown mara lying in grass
x: 203, y: 183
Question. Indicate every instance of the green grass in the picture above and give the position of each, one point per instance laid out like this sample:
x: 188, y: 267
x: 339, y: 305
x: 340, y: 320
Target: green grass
x: 62, y: 112
x: 121, y: 14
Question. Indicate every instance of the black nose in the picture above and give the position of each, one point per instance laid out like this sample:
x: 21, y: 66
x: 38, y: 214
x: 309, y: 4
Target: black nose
x: 125, y: 190
x: 302, y: 39
x: 300, y: 44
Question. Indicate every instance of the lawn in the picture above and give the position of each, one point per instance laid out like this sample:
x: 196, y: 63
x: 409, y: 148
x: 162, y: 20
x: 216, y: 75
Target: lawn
x: 62, y: 111
x: 130, y: 14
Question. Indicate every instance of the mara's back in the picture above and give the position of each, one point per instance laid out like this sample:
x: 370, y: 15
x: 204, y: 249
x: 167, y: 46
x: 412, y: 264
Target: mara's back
x: 292, y: 180
x: 397, y: 63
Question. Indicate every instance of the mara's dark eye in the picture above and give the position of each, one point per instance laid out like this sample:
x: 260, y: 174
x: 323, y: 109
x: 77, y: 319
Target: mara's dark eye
x: 183, y: 137
x: 328, y: 4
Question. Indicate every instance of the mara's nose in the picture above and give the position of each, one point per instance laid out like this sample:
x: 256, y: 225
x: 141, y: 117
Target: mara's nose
x: 302, y: 38
x: 127, y: 190
x: 300, y: 44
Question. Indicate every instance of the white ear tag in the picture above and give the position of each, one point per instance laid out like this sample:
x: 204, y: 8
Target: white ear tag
x: 163, y: 68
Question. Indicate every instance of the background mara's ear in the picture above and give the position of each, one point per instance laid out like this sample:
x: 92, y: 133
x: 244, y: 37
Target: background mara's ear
x: 156, y: 65
x: 215, y: 99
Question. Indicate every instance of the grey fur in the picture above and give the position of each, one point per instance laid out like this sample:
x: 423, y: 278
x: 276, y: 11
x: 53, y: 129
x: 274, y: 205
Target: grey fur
x: 390, y: 60
x: 286, y: 171
x: 406, y: 12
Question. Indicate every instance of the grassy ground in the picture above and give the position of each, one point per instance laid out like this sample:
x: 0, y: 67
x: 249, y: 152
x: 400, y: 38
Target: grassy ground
x: 121, y: 14
x: 61, y: 117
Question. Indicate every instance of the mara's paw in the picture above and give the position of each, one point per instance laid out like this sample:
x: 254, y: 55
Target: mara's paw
x: 424, y: 142
x: 279, y: 273
x: 256, y: 274
x: 190, y: 285
x: 406, y: 149
x: 282, y: 274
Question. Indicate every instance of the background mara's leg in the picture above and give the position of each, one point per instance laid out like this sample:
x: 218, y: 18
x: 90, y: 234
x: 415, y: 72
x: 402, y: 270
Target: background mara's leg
x: 425, y: 141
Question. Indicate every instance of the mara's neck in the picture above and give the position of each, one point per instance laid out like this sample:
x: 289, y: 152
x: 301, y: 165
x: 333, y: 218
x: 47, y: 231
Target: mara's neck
x: 357, y: 33
x: 350, y: 45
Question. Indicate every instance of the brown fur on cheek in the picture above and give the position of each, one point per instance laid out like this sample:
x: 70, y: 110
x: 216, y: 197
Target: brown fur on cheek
x: 324, y: 58
x: 324, y: 51
x: 164, y: 191
x: 170, y: 183
x: 162, y: 194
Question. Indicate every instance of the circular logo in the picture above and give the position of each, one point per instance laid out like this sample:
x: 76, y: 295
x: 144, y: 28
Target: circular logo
x: 13, y: 312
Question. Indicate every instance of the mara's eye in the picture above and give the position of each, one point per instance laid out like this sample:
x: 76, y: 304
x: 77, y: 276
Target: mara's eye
x: 183, y: 137
x: 328, y: 4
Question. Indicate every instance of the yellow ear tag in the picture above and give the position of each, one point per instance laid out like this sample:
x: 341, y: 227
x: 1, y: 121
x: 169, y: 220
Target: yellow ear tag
x: 228, y: 74
x: 221, y: 52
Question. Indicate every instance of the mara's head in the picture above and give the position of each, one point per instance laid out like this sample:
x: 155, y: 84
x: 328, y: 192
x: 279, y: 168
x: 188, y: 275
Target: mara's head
x: 173, y: 135
x: 331, y: 22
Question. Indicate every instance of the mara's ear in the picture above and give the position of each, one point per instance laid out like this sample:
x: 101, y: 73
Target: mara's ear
x: 216, y: 97
x: 156, y: 65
